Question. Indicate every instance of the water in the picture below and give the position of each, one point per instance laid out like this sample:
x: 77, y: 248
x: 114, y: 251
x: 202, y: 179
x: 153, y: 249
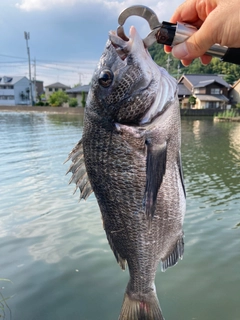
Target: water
x: 54, y: 249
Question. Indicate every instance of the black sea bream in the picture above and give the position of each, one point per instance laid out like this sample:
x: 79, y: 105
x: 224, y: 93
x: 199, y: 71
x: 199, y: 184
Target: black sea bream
x: 129, y: 156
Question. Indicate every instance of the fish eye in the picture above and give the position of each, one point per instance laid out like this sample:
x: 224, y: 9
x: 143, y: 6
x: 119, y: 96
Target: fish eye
x: 106, y: 78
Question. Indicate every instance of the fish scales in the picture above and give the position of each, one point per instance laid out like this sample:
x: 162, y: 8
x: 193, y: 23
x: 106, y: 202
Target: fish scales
x: 131, y: 147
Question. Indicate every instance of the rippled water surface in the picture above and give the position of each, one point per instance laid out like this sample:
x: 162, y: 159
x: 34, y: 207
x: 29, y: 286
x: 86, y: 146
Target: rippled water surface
x: 54, y: 249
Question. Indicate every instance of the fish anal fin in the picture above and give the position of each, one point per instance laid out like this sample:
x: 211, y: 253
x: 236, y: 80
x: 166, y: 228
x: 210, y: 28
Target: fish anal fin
x: 141, y: 306
x: 155, y: 170
x: 120, y: 260
x: 174, y: 256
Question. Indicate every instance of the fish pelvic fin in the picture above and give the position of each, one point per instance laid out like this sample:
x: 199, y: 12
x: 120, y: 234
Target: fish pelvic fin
x: 79, y: 172
x: 141, y: 307
x: 174, y: 256
x: 155, y: 170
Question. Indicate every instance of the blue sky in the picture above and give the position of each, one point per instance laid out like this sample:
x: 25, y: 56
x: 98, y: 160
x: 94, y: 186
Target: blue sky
x: 67, y: 37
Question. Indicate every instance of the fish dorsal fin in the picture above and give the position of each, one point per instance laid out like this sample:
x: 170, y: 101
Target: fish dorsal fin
x: 79, y: 173
x: 155, y: 170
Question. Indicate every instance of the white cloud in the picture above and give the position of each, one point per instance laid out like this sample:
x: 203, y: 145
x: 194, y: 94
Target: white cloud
x: 36, y: 5
x: 160, y: 7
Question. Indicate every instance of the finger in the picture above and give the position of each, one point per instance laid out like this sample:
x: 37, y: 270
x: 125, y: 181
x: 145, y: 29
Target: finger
x: 196, y: 45
x: 205, y: 59
x: 186, y: 63
x: 186, y: 12
x: 167, y: 49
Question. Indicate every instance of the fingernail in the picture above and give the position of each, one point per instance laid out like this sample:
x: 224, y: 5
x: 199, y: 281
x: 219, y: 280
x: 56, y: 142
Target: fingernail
x: 180, y: 51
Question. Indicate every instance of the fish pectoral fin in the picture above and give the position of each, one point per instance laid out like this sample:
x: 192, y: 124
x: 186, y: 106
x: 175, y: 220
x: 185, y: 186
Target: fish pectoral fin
x: 121, y: 261
x: 174, y: 256
x: 79, y: 172
x: 155, y: 170
x: 181, y: 172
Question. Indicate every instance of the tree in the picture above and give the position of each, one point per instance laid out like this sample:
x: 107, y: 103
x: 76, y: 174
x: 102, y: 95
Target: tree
x: 192, y: 100
x: 83, y: 99
x: 58, y: 98
x: 73, y: 102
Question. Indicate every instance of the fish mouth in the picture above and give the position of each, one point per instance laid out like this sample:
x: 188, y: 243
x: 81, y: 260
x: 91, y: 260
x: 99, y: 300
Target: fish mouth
x: 123, y: 44
x: 120, y: 44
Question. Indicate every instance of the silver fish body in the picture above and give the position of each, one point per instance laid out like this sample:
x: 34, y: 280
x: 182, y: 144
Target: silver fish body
x: 129, y: 156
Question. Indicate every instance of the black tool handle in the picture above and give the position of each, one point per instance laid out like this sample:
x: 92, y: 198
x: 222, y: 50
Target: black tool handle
x: 174, y: 33
x: 232, y: 55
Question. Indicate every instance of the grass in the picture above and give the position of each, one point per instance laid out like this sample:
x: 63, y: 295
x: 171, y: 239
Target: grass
x: 227, y: 114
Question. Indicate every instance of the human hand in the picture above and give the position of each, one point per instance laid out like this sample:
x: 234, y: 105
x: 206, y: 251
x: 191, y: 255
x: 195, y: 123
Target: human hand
x: 218, y: 21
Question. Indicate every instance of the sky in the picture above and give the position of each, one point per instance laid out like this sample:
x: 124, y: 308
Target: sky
x: 67, y: 37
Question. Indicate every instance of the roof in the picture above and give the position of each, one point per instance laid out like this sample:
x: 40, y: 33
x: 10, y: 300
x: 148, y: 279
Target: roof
x: 10, y: 79
x: 212, y: 97
x: 203, y: 80
x: 236, y: 84
x: 183, y: 91
x: 79, y: 89
x: 57, y: 85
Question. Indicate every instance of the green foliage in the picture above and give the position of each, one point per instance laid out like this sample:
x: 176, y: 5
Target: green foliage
x: 83, y: 99
x: 238, y: 106
x: 192, y: 100
x: 42, y: 97
x: 230, y: 72
x: 73, y: 102
x: 58, y: 98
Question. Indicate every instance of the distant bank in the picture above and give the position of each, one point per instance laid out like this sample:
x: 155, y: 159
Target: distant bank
x: 59, y: 110
x: 80, y: 110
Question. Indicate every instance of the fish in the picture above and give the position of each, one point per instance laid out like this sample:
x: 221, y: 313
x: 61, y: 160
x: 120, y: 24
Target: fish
x: 130, y: 157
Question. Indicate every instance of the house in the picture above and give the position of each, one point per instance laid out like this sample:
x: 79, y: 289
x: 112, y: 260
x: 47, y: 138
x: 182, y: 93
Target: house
x: 39, y: 87
x: 50, y: 89
x: 79, y: 93
x: 183, y: 95
x: 210, y: 91
x: 15, y: 91
x: 234, y: 93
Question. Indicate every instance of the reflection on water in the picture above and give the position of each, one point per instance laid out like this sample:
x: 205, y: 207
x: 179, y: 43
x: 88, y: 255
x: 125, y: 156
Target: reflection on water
x: 234, y: 138
x: 54, y: 249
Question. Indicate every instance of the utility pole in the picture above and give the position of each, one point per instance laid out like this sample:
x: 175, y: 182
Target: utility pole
x: 80, y: 78
x: 35, y: 79
x: 178, y: 71
x: 27, y: 37
x: 168, y: 63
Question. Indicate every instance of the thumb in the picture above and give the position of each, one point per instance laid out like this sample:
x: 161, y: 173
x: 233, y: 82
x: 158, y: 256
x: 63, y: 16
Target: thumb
x: 195, y: 46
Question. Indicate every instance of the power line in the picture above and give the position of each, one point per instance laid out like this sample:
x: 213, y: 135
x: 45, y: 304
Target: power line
x: 81, y: 62
x: 4, y: 55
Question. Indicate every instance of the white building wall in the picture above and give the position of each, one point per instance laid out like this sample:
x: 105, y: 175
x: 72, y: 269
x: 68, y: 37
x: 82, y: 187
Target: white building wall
x: 21, y: 87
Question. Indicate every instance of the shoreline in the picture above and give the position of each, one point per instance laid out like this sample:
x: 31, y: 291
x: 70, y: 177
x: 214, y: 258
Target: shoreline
x: 228, y: 119
x: 50, y: 110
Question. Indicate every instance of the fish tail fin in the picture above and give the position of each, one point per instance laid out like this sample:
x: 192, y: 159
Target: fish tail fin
x: 141, y: 307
